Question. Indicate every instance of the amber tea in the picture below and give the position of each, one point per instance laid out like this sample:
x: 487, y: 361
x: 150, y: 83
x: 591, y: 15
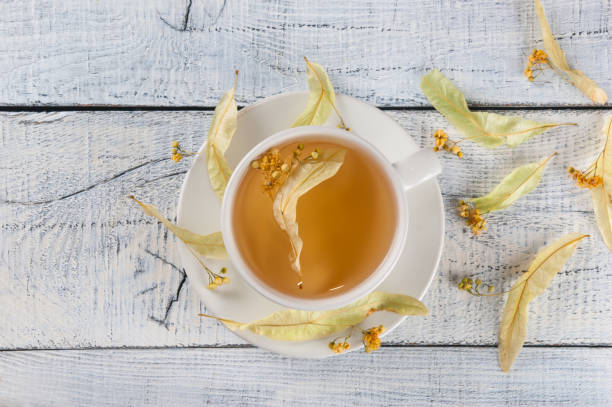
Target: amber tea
x: 346, y: 223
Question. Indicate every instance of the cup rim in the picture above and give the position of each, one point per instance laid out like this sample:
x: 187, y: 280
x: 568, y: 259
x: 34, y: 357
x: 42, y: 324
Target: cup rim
x: 374, y: 279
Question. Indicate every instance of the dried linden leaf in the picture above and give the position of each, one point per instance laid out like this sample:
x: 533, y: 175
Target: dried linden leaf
x: 557, y: 57
x: 544, y: 267
x: 516, y: 184
x: 488, y: 129
x: 222, y: 129
x: 322, y: 97
x: 294, y: 325
x: 602, y: 195
x: 307, y: 175
x: 206, y: 245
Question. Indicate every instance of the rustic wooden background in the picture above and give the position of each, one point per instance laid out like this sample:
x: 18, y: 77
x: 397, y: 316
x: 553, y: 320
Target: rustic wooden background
x: 95, y: 308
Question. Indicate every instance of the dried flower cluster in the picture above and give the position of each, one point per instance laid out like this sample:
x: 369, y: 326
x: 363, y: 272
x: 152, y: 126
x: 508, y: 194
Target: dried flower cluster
x: 586, y: 179
x: 179, y: 152
x: 276, y: 169
x: 338, y: 346
x: 473, y: 287
x: 370, y: 340
x: 534, y: 63
x: 215, y: 280
x: 473, y: 217
x: 441, y: 140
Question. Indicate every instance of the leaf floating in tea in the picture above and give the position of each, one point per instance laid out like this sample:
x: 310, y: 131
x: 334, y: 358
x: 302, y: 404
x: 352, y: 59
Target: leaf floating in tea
x: 544, y: 267
x: 294, y: 325
x: 307, y: 175
x: 556, y: 56
x: 322, y: 97
x: 488, y: 129
x: 205, y: 245
x: 519, y: 182
x: 222, y: 129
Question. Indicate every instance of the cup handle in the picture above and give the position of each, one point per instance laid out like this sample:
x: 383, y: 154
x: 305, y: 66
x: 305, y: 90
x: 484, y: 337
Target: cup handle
x: 417, y: 168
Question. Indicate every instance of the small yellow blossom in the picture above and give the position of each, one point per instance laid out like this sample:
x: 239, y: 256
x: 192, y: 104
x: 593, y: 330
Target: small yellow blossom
x: 371, y: 339
x: 440, y: 137
x: 276, y: 169
x: 585, y: 179
x: 339, y: 347
x: 215, y: 280
x: 442, y: 142
x: 537, y: 57
x: 178, y: 152
x: 473, y: 287
x: 473, y: 218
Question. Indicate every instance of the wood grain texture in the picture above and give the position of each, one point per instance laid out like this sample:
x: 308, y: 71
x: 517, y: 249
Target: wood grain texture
x: 222, y: 377
x: 81, y: 266
x: 170, y: 53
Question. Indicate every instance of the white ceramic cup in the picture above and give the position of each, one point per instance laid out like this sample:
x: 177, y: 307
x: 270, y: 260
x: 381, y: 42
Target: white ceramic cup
x: 403, y: 175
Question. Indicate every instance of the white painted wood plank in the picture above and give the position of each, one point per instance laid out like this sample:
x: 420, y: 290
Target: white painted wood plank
x: 391, y: 377
x: 163, y: 52
x: 81, y: 266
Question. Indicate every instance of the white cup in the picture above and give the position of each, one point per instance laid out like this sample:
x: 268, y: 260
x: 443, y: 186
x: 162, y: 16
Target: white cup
x: 403, y: 175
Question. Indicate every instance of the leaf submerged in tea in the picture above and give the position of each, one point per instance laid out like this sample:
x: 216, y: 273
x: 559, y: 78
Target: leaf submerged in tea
x: 307, y: 175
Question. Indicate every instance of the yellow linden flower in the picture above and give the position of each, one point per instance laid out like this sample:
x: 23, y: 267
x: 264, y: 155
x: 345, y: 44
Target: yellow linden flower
x: 339, y: 347
x: 371, y: 339
x: 473, y: 217
x: 536, y: 57
x: 442, y: 142
x: 585, y: 179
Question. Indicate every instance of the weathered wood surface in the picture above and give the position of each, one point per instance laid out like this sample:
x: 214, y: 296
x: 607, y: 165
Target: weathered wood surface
x: 172, y: 53
x: 223, y: 377
x: 81, y: 266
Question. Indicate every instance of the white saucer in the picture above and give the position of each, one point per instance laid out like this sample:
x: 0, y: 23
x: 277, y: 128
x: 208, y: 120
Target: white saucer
x: 198, y: 210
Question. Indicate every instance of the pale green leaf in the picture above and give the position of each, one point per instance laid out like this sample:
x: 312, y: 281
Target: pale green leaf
x: 294, y: 325
x: 602, y: 195
x: 206, y: 245
x: 534, y: 282
x: 556, y: 56
x: 307, y: 175
x: 488, y: 129
x: 222, y: 129
x: 322, y: 97
x: 519, y: 182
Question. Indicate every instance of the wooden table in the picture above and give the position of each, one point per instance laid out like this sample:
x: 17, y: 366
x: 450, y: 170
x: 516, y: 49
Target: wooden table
x: 95, y: 308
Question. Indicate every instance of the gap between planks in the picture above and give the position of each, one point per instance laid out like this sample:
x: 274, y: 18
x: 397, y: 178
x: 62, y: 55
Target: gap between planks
x: 138, y: 108
x: 249, y: 346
